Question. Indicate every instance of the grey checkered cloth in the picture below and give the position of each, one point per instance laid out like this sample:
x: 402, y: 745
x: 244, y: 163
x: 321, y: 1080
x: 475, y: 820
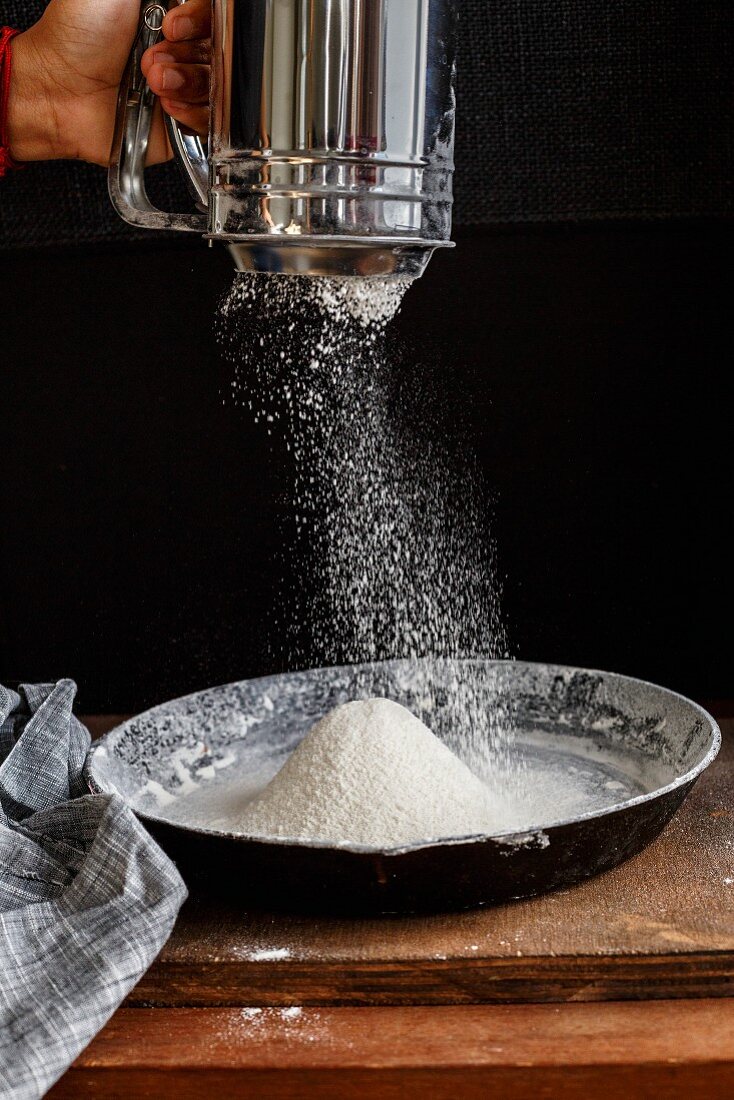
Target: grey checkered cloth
x: 87, y: 898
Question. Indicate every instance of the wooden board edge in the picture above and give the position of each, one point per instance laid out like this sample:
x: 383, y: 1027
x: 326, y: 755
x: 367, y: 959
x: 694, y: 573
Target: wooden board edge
x: 472, y: 981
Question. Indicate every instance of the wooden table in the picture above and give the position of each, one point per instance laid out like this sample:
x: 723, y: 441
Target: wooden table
x: 619, y: 984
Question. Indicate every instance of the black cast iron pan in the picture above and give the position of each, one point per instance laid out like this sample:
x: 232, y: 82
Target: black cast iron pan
x: 607, y: 760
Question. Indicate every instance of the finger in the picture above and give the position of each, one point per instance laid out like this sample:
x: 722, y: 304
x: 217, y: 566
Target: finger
x: 197, y: 52
x: 184, y: 83
x: 195, y: 119
x: 191, y: 20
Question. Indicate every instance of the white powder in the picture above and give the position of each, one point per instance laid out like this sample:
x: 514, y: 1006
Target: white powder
x: 269, y: 954
x: 557, y: 782
x: 386, y: 549
x: 160, y: 794
x: 371, y: 773
x: 370, y: 302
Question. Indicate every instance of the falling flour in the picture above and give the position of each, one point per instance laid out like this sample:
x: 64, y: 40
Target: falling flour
x: 373, y: 774
x: 386, y: 551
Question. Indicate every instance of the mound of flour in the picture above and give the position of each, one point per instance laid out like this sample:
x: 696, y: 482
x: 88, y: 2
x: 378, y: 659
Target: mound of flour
x: 371, y: 773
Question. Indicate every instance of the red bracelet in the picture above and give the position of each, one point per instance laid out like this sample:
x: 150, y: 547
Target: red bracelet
x: 6, y: 161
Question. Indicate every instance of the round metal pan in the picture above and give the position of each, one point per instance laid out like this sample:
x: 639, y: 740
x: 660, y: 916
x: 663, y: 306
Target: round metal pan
x: 652, y: 742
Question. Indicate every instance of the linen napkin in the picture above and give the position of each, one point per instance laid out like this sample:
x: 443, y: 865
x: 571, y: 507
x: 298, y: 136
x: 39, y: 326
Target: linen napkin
x: 87, y: 898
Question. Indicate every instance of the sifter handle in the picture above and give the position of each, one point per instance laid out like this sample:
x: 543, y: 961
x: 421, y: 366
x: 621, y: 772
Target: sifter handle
x: 135, y: 106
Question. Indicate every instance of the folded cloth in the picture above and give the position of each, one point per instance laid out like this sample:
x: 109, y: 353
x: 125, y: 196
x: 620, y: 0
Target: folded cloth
x: 87, y: 898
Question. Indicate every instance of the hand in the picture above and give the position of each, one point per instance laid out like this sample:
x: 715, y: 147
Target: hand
x: 177, y: 69
x: 67, y: 70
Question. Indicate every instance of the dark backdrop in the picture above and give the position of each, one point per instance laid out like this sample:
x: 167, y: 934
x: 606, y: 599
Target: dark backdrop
x: 589, y: 367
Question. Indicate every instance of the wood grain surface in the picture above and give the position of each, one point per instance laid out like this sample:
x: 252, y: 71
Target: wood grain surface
x: 661, y: 922
x: 659, y: 926
x: 662, y: 1050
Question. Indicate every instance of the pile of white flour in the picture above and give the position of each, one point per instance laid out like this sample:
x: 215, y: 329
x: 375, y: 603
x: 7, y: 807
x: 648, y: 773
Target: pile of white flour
x: 371, y: 773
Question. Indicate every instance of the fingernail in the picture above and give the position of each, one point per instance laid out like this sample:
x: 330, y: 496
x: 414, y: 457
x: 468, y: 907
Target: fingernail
x: 183, y: 27
x: 172, y: 79
x: 161, y: 56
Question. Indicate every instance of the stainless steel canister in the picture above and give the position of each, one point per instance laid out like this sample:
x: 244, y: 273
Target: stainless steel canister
x: 330, y: 147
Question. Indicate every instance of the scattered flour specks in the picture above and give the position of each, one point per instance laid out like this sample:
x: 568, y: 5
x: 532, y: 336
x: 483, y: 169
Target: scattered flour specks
x: 386, y: 549
x: 268, y: 954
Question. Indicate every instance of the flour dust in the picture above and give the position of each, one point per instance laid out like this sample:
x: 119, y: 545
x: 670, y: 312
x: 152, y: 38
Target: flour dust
x: 390, y: 521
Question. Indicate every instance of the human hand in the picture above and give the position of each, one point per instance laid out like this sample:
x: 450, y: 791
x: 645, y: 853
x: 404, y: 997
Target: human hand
x: 67, y: 70
x: 177, y: 69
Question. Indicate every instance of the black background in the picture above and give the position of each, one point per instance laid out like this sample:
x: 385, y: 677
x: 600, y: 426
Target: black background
x: 588, y: 367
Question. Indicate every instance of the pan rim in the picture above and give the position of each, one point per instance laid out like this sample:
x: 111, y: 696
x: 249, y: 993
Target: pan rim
x: 533, y: 835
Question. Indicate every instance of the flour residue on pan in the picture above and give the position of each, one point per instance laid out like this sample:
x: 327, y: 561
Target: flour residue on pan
x: 184, y: 752
x: 554, y: 785
x: 588, y: 742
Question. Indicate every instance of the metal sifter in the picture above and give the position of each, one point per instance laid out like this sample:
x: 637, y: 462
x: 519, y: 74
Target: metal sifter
x: 330, y: 146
